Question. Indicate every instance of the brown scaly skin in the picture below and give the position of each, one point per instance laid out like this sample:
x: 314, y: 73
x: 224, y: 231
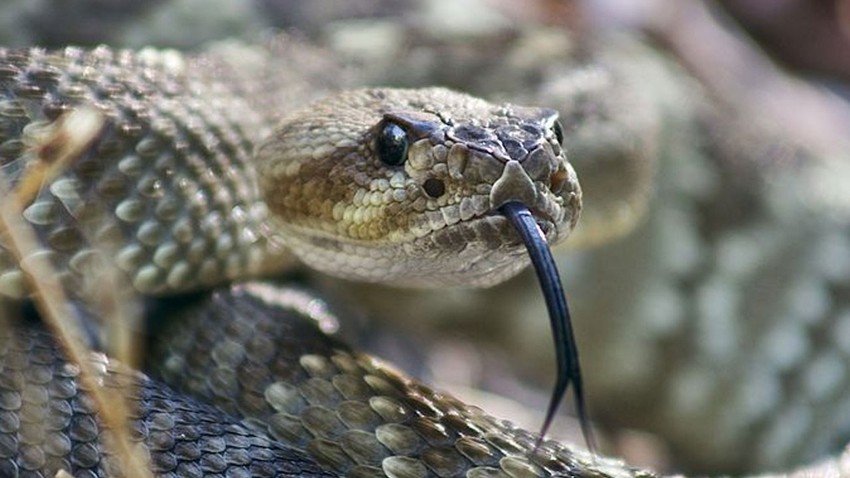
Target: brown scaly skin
x: 138, y: 168
x: 255, y: 351
x: 165, y: 188
x: 49, y: 423
x: 351, y: 413
x: 354, y: 414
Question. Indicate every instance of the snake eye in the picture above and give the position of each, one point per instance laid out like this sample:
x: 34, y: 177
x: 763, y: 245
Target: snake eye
x: 391, y: 144
x: 558, y: 129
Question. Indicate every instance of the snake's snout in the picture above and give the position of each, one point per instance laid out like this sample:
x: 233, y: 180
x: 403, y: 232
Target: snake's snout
x: 554, y: 201
x: 513, y: 185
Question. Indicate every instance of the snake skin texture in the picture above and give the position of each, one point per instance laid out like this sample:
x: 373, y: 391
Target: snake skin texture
x: 256, y: 351
x: 48, y: 423
x: 632, y: 363
x: 343, y: 211
x: 152, y: 122
x: 169, y: 167
x: 354, y: 414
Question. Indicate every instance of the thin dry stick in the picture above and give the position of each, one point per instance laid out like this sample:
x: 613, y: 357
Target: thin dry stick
x: 52, y: 302
x: 56, y: 146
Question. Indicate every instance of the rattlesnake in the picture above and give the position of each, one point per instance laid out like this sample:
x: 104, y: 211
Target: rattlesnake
x: 167, y: 179
x: 620, y: 341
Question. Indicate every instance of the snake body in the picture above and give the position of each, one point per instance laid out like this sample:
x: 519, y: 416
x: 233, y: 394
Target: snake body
x: 199, y: 133
x: 49, y: 423
x: 316, y: 407
x: 173, y: 186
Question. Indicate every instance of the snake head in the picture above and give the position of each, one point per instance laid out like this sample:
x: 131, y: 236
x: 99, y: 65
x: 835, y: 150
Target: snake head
x: 405, y: 186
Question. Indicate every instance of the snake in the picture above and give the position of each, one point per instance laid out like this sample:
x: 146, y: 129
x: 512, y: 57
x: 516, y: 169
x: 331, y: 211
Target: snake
x: 411, y: 187
x: 689, y: 186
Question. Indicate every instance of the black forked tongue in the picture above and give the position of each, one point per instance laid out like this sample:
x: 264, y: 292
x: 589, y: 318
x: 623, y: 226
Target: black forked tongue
x: 566, y: 352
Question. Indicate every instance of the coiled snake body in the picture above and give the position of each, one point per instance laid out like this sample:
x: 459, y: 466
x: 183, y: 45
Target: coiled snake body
x: 383, y: 185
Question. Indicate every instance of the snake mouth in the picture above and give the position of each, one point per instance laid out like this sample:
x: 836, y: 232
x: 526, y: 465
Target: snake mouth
x: 544, y: 221
x: 543, y: 216
x: 486, y: 249
x: 493, y: 231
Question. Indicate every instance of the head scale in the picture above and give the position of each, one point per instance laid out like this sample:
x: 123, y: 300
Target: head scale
x: 405, y: 186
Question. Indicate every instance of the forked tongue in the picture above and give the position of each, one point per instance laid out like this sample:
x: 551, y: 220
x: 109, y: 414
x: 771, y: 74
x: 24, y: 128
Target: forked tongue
x: 566, y: 352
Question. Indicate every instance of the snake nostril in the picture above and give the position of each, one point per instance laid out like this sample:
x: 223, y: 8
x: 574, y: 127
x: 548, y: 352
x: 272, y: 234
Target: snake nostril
x: 557, y: 180
x: 434, y: 187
